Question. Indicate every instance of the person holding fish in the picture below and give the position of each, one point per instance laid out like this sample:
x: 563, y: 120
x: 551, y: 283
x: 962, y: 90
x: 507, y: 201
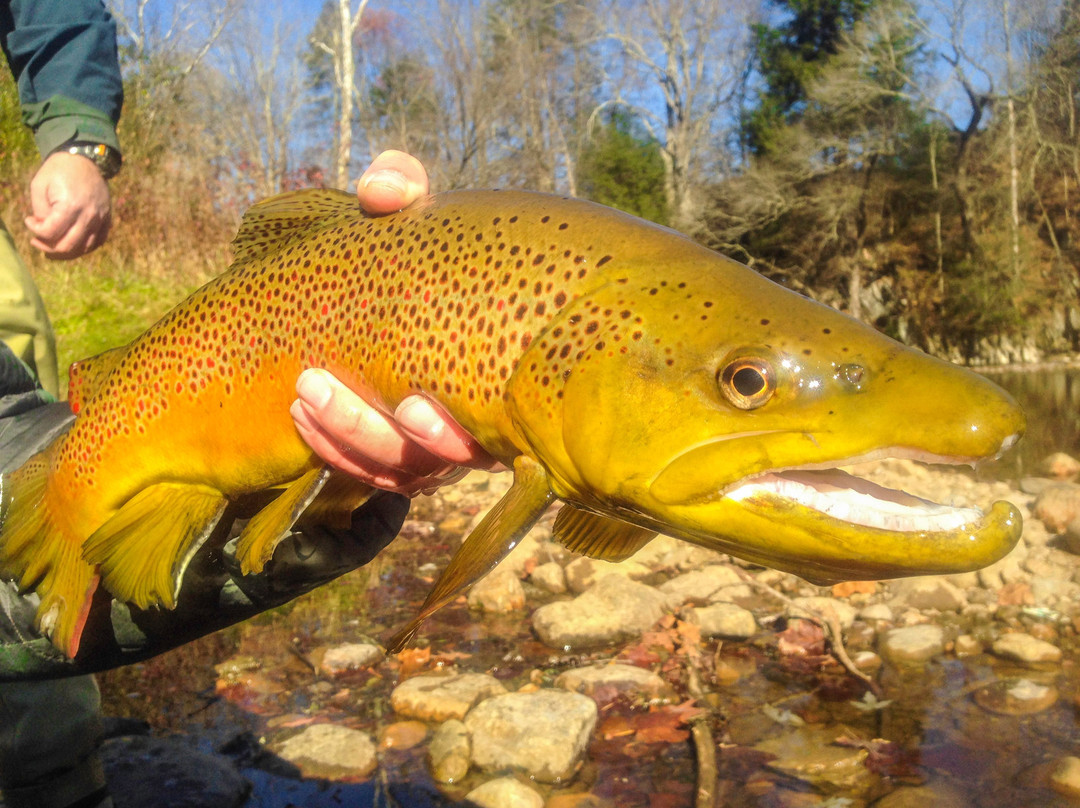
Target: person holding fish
x: 63, y: 55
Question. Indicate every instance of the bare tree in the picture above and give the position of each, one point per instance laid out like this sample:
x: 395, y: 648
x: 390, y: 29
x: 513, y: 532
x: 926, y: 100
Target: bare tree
x: 339, y: 44
x: 260, y: 84
x: 684, y: 67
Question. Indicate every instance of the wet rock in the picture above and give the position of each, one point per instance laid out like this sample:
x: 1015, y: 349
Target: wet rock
x: 1065, y: 777
x: 448, y: 752
x: 1025, y: 648
x: 146, y: 772
x: 724, y: 620
x: 876, y: 613
x: 550, y: 577
x: 912, y: 643
x: 735, y: 593
x: 498, y: 592
x: 928, y: 592
x: 1016, y: 697
x: 579, y: 800
x: 331, y: 752
x: 616, y: 677
x: 1057, y: 505
x: 1060, y: 466
x: 843, y: 612
x: 349, y: 657
x: 403, y: 735
x: 1052, y: 591
x: 967, y: 645
x: 614, y: 610
x: 698, y: 586
x: 437, y: 697
x: 810, y: 754
x: 542, y: 734
x: 505, y: 792
x: 584, y: 573
x: 938, y: 795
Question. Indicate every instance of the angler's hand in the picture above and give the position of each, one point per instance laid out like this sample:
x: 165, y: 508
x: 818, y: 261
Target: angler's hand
x: 420, y: 447
x: 70, y: 207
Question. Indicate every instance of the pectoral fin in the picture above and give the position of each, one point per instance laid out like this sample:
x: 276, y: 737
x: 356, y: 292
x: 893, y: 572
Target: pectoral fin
x: 339, y: 497
x: 143, y: 550
x: 496, y: 535
x: 599, y: 536
x: 270, y: 525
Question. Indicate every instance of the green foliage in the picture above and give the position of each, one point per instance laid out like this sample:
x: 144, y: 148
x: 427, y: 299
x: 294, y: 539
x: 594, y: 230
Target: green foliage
x: 789, y: 56
x: 622, y: 167
x: 18, y: 154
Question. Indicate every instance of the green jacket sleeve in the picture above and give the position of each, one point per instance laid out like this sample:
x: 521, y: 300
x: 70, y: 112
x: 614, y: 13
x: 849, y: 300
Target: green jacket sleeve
x: 63, y: 54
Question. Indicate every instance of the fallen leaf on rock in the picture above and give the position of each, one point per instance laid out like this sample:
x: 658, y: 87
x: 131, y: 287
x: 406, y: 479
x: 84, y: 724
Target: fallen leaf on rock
x: 413, y: 660
x: 1018, y: 593
x: 846, y: 589
x: 801, y: 638
x: 886, y: 758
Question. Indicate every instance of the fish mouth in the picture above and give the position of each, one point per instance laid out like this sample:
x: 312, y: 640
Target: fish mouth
x: 827, y: 525
x: 842, y: 496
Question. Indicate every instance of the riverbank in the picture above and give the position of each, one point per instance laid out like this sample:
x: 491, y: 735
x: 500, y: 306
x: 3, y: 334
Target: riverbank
x: 653, y: 664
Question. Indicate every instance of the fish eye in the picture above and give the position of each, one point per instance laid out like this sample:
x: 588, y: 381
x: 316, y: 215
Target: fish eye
x: 747, y: 382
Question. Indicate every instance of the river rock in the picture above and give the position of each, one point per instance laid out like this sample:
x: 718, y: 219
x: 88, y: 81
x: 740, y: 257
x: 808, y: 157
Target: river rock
x: 147, y: 772
x: 1016, y: 697
x: 1057, y: 505
x: 810, y: 754
x: 549, y: 576
x: 1060, y: 466
x: 1025, y: 648
x: 505, y: 792
x: 542, y: 734
x: 448, y: 752
x: 498, y: 592
x: 912, y: 643
x: 843, y: 612
x: 699, y: 586
x: 614, y: 610
x: 928, y: 592
x: 583, y: 573
x: 617, y: 677
x: 931, y: 795
x: 331, y: 752
x: 724, y: 620
x: 350, y: 656
x: 876, y: 613
x: 403, y: 735
x: 1065, y: 777
x: 437, y: 697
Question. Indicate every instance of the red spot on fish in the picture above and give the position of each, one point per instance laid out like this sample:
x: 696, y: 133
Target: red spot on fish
x: 325, y: 309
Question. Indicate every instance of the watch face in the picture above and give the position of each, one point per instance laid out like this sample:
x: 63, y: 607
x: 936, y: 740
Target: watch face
x: 107, y: 159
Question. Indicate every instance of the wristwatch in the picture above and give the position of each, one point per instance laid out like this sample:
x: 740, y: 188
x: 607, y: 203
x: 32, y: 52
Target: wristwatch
x: 106, y: 158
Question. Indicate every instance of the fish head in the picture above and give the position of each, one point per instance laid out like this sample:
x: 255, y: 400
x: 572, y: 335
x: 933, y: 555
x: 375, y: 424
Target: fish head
x: 713, y: 405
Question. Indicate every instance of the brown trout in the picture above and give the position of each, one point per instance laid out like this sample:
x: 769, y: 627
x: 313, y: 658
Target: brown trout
x: 650, y: 384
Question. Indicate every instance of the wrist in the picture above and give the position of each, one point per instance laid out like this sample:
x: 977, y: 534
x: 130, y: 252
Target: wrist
x: 103, y: 156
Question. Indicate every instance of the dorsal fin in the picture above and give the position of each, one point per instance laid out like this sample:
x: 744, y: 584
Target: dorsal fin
x: 86, y: 376
x: 271, y: 224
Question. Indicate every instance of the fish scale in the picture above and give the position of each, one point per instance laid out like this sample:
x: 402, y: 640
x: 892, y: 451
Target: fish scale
x: 584, y: 347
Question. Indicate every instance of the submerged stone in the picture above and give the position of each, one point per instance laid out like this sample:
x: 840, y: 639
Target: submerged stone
x: 437, y: 697
x: 331, y: 752
x: 541, y: 734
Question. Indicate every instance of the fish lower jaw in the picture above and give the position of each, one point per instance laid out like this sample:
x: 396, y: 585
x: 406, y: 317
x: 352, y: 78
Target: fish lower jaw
x: 853, y: 500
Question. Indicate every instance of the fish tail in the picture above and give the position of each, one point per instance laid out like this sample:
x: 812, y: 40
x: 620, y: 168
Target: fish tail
x: 36, y: 552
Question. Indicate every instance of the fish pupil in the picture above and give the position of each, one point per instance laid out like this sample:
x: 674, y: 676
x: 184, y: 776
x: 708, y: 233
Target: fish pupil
x: 748, y: 381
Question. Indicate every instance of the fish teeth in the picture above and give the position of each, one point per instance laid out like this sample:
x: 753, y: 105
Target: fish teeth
x: 874, y: 506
